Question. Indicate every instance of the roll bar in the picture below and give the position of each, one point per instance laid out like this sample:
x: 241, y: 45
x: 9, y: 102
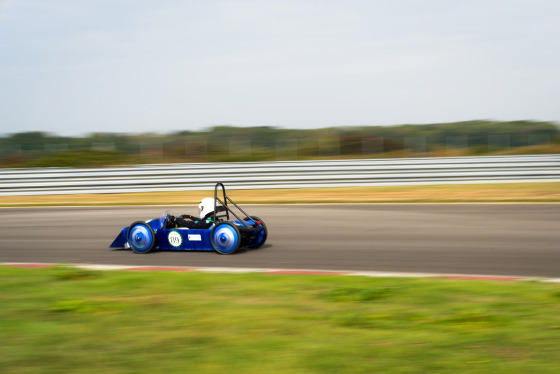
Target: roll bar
x: 224, y: 203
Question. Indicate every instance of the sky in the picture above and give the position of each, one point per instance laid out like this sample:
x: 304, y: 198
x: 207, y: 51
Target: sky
x: 131, y: 66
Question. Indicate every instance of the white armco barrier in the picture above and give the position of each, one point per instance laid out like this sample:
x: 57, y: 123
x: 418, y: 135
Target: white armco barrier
x: 281, y: 174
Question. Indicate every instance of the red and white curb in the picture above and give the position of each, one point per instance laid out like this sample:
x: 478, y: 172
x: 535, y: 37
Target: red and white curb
x: 379, y: 274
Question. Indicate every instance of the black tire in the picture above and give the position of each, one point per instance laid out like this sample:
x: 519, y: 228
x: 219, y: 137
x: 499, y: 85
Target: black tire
x: 225, y: 238
x: 141, y: 237
x: 261, y: 239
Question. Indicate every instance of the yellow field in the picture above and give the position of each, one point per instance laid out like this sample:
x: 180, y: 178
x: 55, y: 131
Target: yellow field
x: 460, y: 193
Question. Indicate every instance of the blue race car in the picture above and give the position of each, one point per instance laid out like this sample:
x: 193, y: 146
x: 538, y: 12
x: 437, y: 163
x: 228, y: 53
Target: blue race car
x: 215, y: 230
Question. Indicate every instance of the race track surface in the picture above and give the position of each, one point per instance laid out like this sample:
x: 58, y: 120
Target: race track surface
x: 484, y: 239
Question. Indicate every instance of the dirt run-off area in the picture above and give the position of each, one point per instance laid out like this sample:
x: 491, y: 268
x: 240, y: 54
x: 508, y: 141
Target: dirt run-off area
x: 542, y: 192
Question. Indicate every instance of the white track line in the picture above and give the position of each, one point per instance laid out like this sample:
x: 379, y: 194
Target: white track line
x: 377, y: 274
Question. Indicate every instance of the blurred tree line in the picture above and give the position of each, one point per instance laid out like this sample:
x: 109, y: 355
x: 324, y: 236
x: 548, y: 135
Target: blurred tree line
x: 225, y: 143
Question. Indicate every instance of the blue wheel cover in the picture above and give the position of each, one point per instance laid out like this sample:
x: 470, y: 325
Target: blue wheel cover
x: 140, y: 238
x: 258, y: 240
x: 225, y: 238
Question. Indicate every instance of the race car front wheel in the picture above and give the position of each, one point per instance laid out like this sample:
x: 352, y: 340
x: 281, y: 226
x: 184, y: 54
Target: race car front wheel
x: 141, y: 237
x: 225, y: 238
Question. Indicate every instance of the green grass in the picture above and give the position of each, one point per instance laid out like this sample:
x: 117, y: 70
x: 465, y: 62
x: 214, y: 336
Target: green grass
x: 59, y: 320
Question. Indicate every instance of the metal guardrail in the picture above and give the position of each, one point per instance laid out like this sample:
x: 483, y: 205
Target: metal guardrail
x: 281, y: 174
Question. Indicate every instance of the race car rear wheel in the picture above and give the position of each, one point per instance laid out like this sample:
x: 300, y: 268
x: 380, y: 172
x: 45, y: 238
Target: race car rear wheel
x: 225, y: 238
x: 141, y: 237
x: 260, y: 238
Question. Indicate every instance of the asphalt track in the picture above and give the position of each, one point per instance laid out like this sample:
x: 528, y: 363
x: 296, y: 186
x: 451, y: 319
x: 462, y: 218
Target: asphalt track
x: 476, y: 239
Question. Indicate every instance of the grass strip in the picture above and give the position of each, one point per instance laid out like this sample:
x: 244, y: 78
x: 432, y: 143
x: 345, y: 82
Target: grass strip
x: 545, y: 192
x: 62, y: 319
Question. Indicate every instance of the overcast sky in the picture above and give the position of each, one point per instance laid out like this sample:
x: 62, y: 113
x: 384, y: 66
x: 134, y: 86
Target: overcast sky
x: 75, y: 67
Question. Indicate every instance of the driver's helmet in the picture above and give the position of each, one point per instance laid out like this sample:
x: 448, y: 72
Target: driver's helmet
x: 206, y: 206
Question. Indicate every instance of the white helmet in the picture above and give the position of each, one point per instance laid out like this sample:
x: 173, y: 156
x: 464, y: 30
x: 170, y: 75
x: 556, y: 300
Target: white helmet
x: 206, y: 206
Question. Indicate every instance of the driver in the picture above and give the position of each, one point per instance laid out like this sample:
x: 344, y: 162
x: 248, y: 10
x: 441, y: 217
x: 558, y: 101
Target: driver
x: 203, y: 221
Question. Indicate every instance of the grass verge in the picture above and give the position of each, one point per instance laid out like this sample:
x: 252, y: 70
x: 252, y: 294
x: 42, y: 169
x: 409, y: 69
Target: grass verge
x: 61, y: 319
x: 545, y: 192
